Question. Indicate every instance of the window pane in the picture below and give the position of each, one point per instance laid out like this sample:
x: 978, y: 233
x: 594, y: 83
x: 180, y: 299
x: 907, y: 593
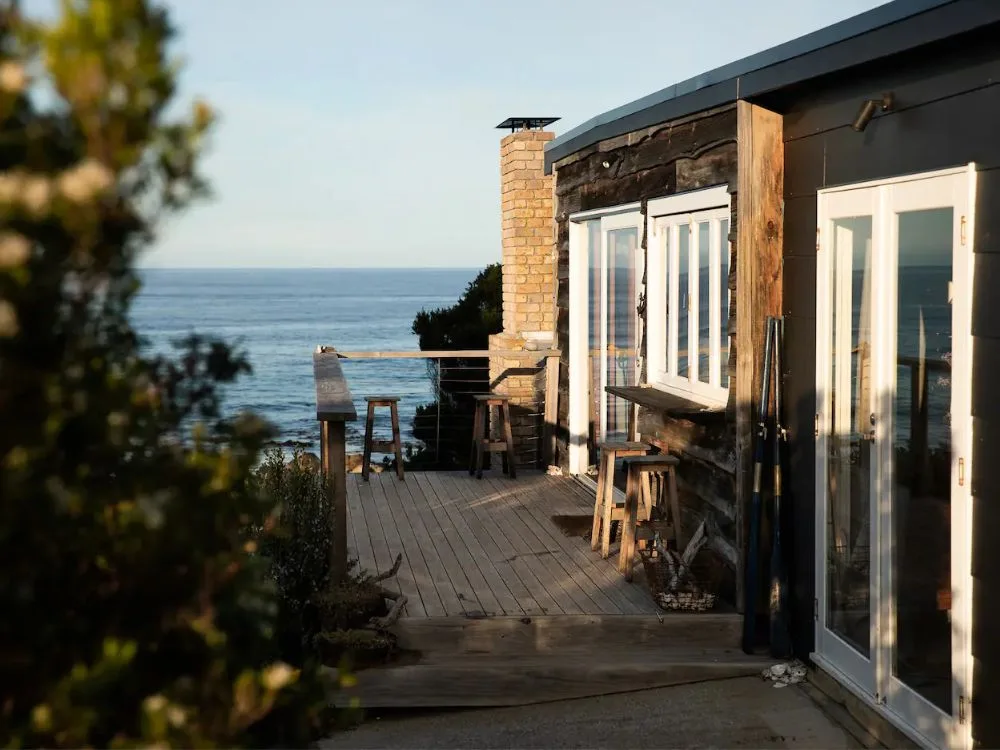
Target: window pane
x: 683, y: 304
x: 724, y: 303
x: 622, y: 244
x: 594, y: 294
x: 704, y: 295
x: 666, y: 299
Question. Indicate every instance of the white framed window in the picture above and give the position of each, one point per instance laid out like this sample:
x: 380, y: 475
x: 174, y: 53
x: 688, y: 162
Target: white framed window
x: 688, y: 299
x: 606, y: 268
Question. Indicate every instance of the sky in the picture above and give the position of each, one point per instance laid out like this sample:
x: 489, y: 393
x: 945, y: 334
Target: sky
x: 361, y: 133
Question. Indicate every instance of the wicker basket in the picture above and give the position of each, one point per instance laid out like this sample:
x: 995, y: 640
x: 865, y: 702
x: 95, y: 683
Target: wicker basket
x: 678, y: 587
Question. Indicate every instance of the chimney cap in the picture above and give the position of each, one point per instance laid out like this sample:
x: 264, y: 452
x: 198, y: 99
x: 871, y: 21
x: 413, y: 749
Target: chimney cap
x: 526, y: 123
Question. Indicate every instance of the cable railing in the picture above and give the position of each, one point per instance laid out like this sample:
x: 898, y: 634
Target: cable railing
x: 436, y: 407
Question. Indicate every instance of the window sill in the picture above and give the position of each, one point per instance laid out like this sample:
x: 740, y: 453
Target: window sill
x: 670, y: 404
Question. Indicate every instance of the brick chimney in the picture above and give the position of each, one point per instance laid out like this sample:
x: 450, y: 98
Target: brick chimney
x: 529, y: 276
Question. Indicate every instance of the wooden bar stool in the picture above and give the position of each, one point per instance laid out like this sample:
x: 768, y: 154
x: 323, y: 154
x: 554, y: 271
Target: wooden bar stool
x: 638, y: 470
x: 481, y: 442
x: 382, y: 446
x: 606, y: 511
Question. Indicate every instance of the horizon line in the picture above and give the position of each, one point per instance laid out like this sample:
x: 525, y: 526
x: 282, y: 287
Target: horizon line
x: 309, y: 268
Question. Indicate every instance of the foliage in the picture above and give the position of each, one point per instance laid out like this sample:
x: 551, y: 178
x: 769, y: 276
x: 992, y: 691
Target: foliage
x: 132, y: 611
x: 467, y: 324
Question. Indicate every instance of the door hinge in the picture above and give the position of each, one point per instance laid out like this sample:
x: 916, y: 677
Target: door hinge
x: 961, y: 472
x: 816, y: 425
x: 964, y: 225
x: 962, y: 709
x: 816, y: 609
x: 817, y: 239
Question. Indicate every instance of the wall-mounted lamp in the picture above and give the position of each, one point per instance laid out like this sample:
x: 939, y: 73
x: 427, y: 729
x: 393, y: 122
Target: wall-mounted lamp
x: 868, y: 108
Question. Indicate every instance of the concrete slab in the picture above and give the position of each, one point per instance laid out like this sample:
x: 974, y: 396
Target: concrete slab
x: 744, y: 712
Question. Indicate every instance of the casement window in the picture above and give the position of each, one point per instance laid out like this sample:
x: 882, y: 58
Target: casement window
x: 688, y: 299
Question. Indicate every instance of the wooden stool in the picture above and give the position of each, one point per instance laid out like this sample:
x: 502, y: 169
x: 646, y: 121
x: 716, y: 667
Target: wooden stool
x: 382, y: 446
x: 606, y: 511
x: 481, y: 434
x: 638, y: 470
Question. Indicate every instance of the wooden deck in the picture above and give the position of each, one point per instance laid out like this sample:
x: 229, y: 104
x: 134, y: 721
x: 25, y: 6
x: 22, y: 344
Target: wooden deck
x: 486, y: 547
x: 505, y: 608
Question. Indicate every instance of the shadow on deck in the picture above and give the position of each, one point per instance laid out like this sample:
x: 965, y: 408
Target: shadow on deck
x: 508, y: 605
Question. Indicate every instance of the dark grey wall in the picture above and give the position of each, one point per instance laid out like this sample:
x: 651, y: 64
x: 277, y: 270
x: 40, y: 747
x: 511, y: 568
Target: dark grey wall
x: 948, y: 114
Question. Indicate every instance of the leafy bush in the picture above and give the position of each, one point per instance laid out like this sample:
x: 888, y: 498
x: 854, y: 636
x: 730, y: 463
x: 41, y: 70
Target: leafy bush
x: 132, y: 611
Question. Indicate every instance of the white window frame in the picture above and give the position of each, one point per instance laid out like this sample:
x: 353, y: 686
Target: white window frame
x: 615, y: 217
x: 666, y: 218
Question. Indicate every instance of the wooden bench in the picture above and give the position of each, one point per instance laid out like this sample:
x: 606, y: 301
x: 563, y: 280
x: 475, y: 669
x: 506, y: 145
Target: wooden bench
x: 481, y: 443
x: 382, y: 446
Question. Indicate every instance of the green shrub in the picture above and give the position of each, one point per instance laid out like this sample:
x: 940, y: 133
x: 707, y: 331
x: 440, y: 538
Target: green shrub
x: 132, y: 612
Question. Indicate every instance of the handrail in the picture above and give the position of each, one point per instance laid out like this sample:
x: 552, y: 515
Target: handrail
x: 447, y: 354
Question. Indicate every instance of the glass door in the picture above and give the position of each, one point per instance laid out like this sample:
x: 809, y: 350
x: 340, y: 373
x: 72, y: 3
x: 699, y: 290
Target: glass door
x: 617, y: 361
x: 846, y: 468
x: 893, y: 436
x: 927, y: 412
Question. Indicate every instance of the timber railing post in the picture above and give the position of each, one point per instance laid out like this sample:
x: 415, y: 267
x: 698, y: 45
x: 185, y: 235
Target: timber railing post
x: 551, y: 406
x: 334, y: 408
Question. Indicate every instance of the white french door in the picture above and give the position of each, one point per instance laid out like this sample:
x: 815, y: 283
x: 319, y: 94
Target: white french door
x: 605, y: 273
x: 893, y: 431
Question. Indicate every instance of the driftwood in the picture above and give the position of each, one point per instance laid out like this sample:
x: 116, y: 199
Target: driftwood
x: 384, y: 623
x: 392, y: 571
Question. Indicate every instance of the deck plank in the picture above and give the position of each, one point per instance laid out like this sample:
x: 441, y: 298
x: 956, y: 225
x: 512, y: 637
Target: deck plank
x: 469, y: 504
x: 554, y: 498
x: 376, y: 534
x: 358, y: 529
x: 558, y: 581
x: 576, y: 579
x: 416, y: 552
x: 460, y: 566
x: 496, y: 589
x: 406, y: 577
x: 415, y: 507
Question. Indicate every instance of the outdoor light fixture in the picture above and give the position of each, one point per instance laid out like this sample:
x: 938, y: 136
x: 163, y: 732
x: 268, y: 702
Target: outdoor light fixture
x: 867, y: 111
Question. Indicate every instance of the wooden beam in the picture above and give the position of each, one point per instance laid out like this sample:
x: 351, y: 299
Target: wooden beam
x: 333, y: 397
x: 333, y: 440
x: 551, y: 406
x: 759, y: 207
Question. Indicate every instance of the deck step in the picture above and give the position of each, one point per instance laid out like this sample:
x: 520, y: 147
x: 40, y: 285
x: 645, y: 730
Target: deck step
x: 471, y: 680
x: 517, y: 636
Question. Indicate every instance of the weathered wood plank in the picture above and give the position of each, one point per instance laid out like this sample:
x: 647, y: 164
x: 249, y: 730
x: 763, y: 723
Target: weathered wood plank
x: 512, y: 570
x: 541, y: 554
x: 363, y: 548
x: 461, y: 567
x: 759, y: 272
x: 406, y: 576
x: 333, y: 396
x: 586, y: 592
x: 417, y: 547
x: 334, y: 439
x: 556, y: 497
x: 496, y: 588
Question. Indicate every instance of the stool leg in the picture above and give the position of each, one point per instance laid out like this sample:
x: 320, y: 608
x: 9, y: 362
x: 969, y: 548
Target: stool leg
x: 366, y: 459
x: 475, y: 439
x: 595, y: 532
x: 626, y: 555
x: 675, y: 504
x: 509, y: 437
x: 609, y: 505
x: 482, y: 434
x: 395, y: 439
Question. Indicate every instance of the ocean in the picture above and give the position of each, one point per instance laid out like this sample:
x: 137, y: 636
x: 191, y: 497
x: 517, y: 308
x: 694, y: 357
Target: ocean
x: 279, y: 316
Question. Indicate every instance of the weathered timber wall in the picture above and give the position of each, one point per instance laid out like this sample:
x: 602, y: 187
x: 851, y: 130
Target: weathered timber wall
x: 687, y: 154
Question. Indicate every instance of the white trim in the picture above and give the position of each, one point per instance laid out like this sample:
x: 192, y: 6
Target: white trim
x: 914, y: 176
x: 579, y: 412
x: 689, y: 202
x: 599, y: 213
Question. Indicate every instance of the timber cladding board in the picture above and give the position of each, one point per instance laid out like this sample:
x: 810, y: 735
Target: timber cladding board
x: 333, y: 396
x: 694, y: 152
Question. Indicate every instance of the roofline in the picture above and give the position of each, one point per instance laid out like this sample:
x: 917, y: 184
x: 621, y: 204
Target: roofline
x: 889, y: 29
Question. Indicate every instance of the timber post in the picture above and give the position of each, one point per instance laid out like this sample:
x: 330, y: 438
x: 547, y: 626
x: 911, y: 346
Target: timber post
x: 334, y: 408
